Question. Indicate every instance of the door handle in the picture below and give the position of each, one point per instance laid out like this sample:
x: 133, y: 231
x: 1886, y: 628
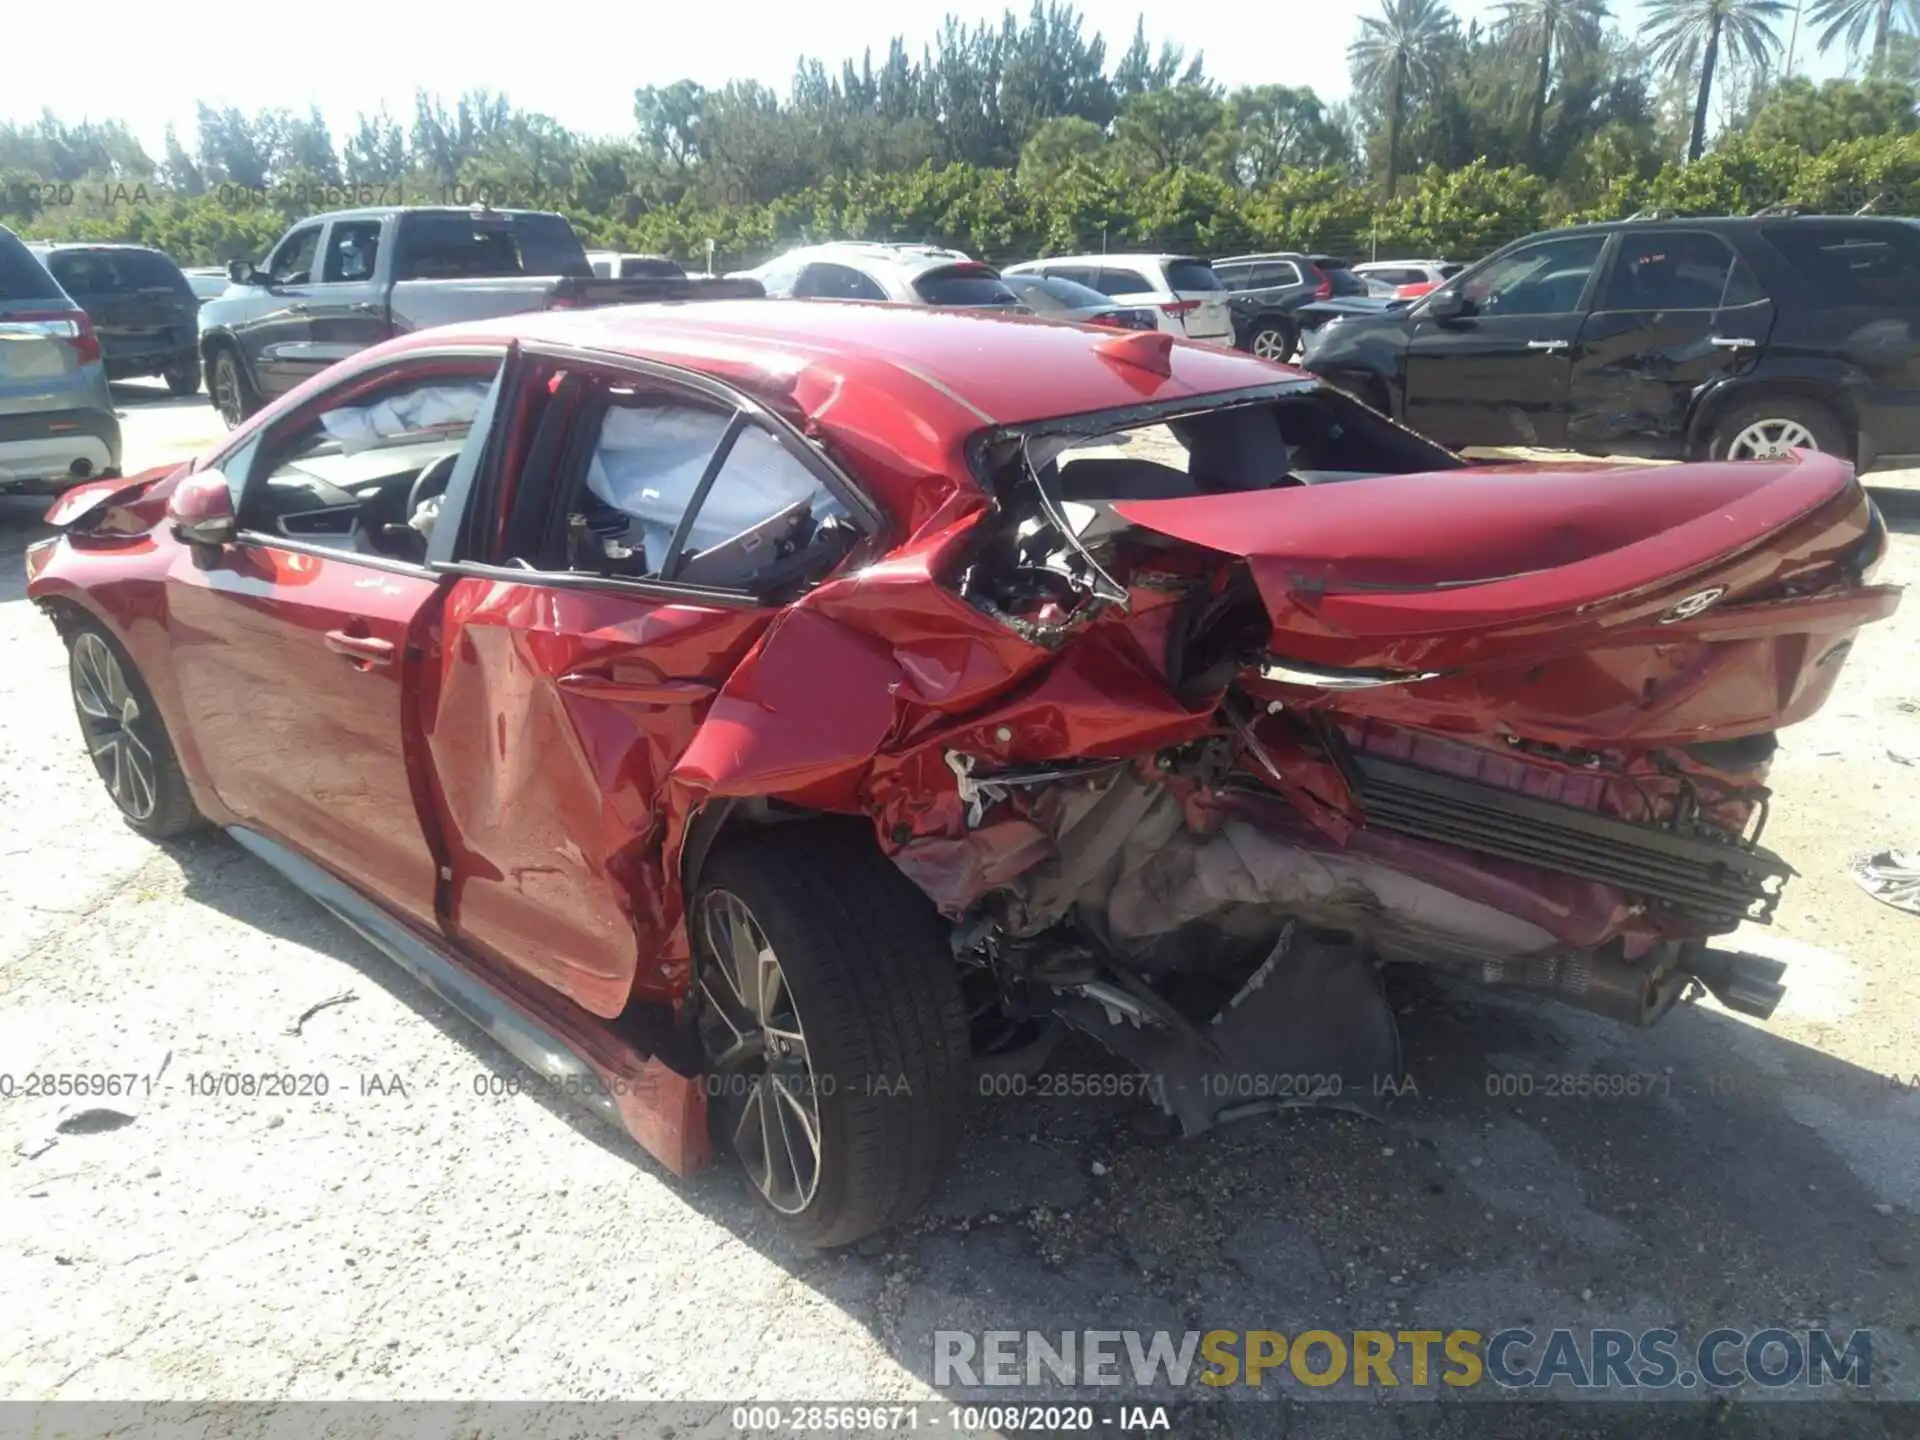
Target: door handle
x: 298, y: 307
x: 1548, y: 345
x: 362, y: 649
x: 364, y: 307
x: 1732, y: 342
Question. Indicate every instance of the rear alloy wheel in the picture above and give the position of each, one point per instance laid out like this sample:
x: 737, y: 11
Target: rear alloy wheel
x: 1274, y: 340
x: 125, y: 738
x: 1769, y: 429
x: 829, y: 1013
x: 231, y: 394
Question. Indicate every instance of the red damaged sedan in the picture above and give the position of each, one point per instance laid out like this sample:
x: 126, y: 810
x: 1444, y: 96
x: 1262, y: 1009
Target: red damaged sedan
x: 765, y: 714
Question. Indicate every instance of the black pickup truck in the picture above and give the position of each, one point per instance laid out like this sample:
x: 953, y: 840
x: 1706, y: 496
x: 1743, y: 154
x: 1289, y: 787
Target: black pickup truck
x: 337, y: 283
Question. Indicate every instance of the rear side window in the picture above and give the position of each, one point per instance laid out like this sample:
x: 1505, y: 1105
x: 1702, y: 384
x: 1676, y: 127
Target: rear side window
x: 1191, y: 275
x: 821, y: 281
x: 115, y: 272
x: 1119, y: 282
x: 1340, y: 275
x: 650, y: 267
x: 21, y: 276
x: 460, y: 247
x: 763, y: 508
x: 352, y: 249
x: 964, y: 285
x: 1842, y: 264
x: 1670, y: 270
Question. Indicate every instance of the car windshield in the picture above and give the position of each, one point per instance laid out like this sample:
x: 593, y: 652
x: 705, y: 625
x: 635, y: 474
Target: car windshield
x: 1191, y: 275
x: 964, y: 285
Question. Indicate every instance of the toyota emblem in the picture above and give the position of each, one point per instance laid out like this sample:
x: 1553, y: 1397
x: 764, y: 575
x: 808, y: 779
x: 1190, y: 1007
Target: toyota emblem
x: 1693, y: 605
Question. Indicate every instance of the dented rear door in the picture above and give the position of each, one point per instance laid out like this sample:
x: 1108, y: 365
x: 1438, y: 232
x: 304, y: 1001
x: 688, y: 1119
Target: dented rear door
x: 560, y: 710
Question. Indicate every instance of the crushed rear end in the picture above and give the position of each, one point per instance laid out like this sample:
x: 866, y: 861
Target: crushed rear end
x: 1322, y: 697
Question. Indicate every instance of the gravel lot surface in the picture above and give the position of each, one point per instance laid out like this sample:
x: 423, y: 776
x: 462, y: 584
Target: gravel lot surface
x: 404, y: 1236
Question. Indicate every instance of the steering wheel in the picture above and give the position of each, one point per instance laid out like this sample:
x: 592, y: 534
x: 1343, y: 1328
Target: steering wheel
x: 430, y: 481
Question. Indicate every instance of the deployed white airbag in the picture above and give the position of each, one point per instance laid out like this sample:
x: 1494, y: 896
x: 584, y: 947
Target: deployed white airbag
x: 650, y: 459
x: 431, y: 407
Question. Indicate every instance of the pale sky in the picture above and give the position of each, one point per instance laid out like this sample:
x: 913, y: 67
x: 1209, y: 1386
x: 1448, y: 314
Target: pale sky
x: 148, y: 64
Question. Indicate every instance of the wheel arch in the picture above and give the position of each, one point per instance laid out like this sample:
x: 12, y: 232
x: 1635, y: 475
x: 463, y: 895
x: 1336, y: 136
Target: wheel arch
x: 1830, y: 393
x: 213, y: 342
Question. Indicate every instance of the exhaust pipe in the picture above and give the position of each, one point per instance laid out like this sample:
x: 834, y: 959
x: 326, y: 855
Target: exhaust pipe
x: 1746, y: 984
x: 1600, y: 981
x: 80, y: 469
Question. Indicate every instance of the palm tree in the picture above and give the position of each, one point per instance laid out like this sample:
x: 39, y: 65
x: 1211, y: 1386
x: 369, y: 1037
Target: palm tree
x: 1535, y: 27
x: 1685, y: 33
x: 1397, y: 51
x: 1853, y: 18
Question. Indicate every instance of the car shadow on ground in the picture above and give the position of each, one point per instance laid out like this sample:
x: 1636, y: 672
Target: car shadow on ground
x: 151, y: 393
x: 1542, y: 1167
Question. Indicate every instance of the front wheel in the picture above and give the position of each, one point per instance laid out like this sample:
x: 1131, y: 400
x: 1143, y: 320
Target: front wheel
x: 230, y: 390
x: 1767, y: 429
x: 830, y: 1016
x: 125, y: 737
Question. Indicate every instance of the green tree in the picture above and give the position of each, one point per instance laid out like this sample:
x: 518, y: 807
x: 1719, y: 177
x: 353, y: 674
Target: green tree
x: 1276, y: 128
x: 1057, y: 144
x: 1396, y: 52
x: 1686, y: 35
x: 1166, y: 129
x: 1796, y: 113
x: 1545, y: 30
x: 1850, y: 21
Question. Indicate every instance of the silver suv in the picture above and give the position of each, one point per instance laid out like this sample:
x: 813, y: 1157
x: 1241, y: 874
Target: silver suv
x: 873, y: 270
x: 57, y: 425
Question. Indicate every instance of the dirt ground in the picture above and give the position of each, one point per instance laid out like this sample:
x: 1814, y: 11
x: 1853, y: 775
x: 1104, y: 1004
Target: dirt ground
x: 409, y: 1234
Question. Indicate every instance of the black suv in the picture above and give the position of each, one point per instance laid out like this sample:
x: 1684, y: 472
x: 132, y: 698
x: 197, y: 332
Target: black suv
x: 1723, y: 338
x: 142, y: 308
x: 1269, y: 291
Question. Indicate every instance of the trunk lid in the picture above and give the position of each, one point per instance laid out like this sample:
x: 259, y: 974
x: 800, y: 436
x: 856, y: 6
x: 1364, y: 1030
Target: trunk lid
x: 1674, y: 602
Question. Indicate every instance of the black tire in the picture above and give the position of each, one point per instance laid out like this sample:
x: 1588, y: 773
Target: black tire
x: 874, y: 990
x: 1274, y: 340
x: 183, y: 376
x: 160, y: 806
x: 232, y: 393
x: 1750, y: 419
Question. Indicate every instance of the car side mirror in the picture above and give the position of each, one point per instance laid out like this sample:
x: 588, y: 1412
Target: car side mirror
x: 242, y: 272
x: 200, y: 510
x: 1446, y: 305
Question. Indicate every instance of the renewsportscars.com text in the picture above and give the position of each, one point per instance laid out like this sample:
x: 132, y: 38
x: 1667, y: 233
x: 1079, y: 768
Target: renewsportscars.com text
x: 1512, y: 1359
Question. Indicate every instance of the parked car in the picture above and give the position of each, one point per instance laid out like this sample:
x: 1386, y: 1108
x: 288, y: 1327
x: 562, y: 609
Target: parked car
x: 1390, y: 277
x: 143, y: 310
x: 1270, y: 292
x: 57, y: 424
x: 337, y: 283
x: 1729, y: 338
x: 1079, y: 304
x: 207, y: 281
x: 1182, y: 290
x: 764, y: 715
x: 872, y: 270
x: 613, y: 265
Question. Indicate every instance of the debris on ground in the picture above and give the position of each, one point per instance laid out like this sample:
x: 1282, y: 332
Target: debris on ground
x: 345, y: 997
x: 1892, y: 877
x: 96, y: 1121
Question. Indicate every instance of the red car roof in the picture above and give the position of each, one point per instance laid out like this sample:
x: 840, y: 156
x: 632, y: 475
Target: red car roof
x: 968, y: 369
